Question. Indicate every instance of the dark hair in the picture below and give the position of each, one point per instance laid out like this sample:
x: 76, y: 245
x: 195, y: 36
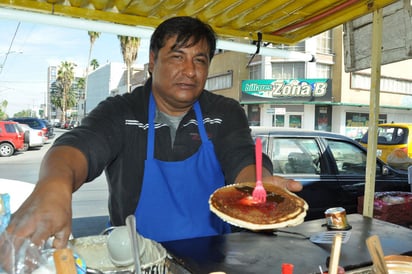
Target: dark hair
x: 188, y: 31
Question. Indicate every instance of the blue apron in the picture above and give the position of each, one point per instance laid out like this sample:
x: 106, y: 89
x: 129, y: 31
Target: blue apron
x: 174, y: 199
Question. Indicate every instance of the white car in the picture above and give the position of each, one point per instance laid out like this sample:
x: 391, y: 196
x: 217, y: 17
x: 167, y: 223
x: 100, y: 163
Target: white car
x: 36, y: 136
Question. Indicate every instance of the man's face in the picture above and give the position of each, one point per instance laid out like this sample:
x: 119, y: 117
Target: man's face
x: 179, y: 75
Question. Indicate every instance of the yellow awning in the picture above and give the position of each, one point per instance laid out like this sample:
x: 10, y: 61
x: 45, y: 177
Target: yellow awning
x: 280, y: 21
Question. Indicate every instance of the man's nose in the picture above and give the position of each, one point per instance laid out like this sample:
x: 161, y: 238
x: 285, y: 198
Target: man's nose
x: 189, y: 68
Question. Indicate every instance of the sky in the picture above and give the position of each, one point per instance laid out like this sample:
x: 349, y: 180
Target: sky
x: 34, y: 47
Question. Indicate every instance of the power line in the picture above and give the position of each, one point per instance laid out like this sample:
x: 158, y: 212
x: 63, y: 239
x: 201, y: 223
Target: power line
x: 10, y: 46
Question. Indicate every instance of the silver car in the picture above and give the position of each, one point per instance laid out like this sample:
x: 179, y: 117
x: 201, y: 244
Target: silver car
x: 36, y: 137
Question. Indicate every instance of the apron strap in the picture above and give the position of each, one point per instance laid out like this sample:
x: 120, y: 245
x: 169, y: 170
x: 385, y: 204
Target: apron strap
x: 151, y: 131
x: 200, y: 125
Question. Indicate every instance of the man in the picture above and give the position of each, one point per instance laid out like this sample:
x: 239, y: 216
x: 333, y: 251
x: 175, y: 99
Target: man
x: 165, y: 148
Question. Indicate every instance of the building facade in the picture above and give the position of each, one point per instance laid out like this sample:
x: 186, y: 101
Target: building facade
x: 50, y: 110
x: 110, y: 80
x: 101, y: 82
x: 313, y: 95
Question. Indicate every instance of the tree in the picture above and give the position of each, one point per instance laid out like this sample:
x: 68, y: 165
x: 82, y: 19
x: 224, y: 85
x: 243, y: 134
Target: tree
x: 23, y: 113
x: 129, y: 46
x: 3, y: 106
x: 63, y: 95
x: 80, y: 83
x: 92, y: 36
x: 94, y: 64
x: 80, y: 88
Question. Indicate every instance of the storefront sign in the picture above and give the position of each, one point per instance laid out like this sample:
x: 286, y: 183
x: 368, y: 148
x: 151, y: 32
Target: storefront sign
x: 292, y: 89
x: 276, y: 111
x: 280, y: 111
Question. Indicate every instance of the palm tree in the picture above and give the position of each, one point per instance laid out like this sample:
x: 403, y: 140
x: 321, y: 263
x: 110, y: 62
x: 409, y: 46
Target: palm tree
x: 93, y: 37
x: 129, y: 46
x: 79, y: 92
x: 94, y: 64
x: 65, y: 77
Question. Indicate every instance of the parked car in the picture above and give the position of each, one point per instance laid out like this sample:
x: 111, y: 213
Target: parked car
x: 37, y: 123
x: 11, y: 138
x: 35, y: 138
x: 331, y: 167
x: 390, y: 137
x: 57, y: 124
x: 73, y: 124
x: 70, y: 124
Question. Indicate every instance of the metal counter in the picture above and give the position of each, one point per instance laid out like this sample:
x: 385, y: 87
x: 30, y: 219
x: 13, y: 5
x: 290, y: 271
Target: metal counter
x: 250, y: 252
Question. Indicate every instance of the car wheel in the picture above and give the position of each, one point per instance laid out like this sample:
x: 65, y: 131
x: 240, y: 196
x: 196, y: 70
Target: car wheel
x: 6, y: 150
x: 27, y: 137
x: 25, y: 147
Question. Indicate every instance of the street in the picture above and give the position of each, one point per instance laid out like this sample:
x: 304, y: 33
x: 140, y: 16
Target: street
x: 89, y: 200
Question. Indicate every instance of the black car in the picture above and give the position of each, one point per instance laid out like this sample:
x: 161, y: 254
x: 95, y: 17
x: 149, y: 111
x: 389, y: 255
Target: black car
x: 37, y: 123
x: 331, y: 167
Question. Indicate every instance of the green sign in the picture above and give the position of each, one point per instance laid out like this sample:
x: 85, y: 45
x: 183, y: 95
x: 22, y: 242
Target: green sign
x: 301, y: 89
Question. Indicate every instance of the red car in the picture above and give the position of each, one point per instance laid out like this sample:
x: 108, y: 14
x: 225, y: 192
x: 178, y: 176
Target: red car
x: 12, y: 138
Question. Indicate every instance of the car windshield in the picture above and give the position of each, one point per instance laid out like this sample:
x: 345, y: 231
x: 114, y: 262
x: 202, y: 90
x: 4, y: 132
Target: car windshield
x: 34, y: 124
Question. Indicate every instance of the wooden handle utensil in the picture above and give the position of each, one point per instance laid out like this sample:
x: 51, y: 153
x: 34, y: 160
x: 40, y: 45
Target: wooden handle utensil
x: 375, y: 250
x: 64, y: 261
x: 334, y: 257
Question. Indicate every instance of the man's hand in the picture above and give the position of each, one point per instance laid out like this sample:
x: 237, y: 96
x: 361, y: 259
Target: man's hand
x: 289, y: 184
x: 45, y: 213
x: 248, y: 174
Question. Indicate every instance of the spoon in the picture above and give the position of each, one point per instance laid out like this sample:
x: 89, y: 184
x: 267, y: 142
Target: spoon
x: 131, y: 225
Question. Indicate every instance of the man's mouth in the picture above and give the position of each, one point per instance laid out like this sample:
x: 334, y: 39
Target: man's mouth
x: 186, y: 85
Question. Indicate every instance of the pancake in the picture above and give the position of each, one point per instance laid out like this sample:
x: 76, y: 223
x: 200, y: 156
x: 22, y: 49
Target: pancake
x: 234, y: 204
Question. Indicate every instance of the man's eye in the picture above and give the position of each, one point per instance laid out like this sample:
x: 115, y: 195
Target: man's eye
x: 201, y: 60
x: 177, y: 57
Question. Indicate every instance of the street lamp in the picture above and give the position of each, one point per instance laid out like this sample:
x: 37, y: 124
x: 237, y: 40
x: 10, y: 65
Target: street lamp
x: 10, y: 52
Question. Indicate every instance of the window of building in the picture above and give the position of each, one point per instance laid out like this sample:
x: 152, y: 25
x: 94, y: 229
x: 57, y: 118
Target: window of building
x: 255, y: 72
x: 323, y: 70
x: 278, y: 120
x: 357, y: 123
x: 363, y: 81
x: 221, y: 81
x: 253, y: 114
x: 324, y: 42
x: 290, y: 70
x: 323, y: 117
